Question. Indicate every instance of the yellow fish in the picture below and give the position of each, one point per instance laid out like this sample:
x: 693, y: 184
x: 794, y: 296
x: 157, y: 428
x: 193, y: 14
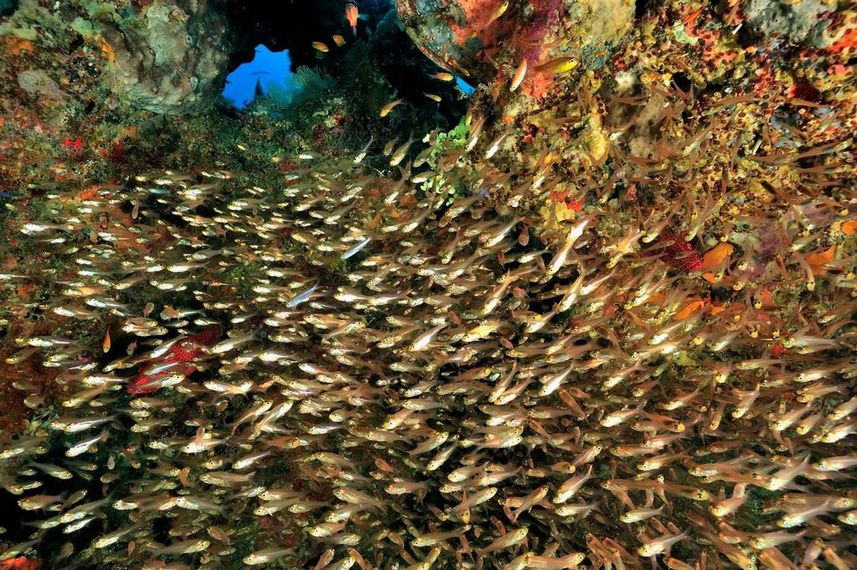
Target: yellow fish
x: 559, y: 65
x: 443, y: 76
x: 385, y: 110
x: 320, y: 47
x: 501, y: 9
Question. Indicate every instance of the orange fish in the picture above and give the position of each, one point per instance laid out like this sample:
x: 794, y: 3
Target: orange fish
x: 689, y: 309
x: 819, y: 259
x: 338, y: 40
x: 352, y: 14
x: 105, y: 346
x: 716, y: 256
x: 320, y: 47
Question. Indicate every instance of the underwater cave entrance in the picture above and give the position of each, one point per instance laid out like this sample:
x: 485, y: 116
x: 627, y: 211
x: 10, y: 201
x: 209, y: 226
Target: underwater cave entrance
x: 295, y: 25
x: 270, y: 39
x: 269, y: 70
x: 265, y: 29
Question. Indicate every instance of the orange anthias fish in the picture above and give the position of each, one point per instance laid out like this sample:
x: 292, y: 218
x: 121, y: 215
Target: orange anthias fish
x: 352, y: 14
x: 716, y: 257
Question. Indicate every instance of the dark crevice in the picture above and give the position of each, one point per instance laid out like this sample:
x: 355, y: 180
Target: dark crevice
x: 7, y: 7
x: 682, y: 81
x: 747, y: 36
x: 294, y: 25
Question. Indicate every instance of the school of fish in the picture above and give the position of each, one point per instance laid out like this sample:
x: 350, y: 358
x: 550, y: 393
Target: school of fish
x: 397, y: 370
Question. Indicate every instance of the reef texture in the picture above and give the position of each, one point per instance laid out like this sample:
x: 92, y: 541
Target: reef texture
x: 174, y: 60
x: 803, y: 21
x: 606, y: 321
x: 468, y: 36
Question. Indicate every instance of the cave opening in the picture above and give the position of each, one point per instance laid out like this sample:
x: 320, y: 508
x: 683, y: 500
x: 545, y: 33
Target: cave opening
x: 268, y: 71
x: 355, y: 54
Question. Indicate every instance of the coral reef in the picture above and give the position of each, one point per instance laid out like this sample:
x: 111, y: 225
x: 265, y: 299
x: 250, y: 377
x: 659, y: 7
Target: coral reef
x: 802, y: 22
x: 600, y: 314
x: 469, y: 36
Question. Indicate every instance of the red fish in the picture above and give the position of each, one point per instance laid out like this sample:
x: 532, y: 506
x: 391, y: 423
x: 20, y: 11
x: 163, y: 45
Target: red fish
x: 183, y: 352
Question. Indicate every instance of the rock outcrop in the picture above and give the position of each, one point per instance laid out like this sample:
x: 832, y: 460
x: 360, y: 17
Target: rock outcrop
x: 174, y: 61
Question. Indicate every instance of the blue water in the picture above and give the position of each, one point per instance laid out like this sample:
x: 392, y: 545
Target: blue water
x: 268, y: 67
x: 465, y: 87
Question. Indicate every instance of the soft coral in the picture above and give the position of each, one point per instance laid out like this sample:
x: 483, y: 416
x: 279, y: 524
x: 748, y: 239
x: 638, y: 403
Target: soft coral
x: 181, y: 355
x: 679, y: 253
